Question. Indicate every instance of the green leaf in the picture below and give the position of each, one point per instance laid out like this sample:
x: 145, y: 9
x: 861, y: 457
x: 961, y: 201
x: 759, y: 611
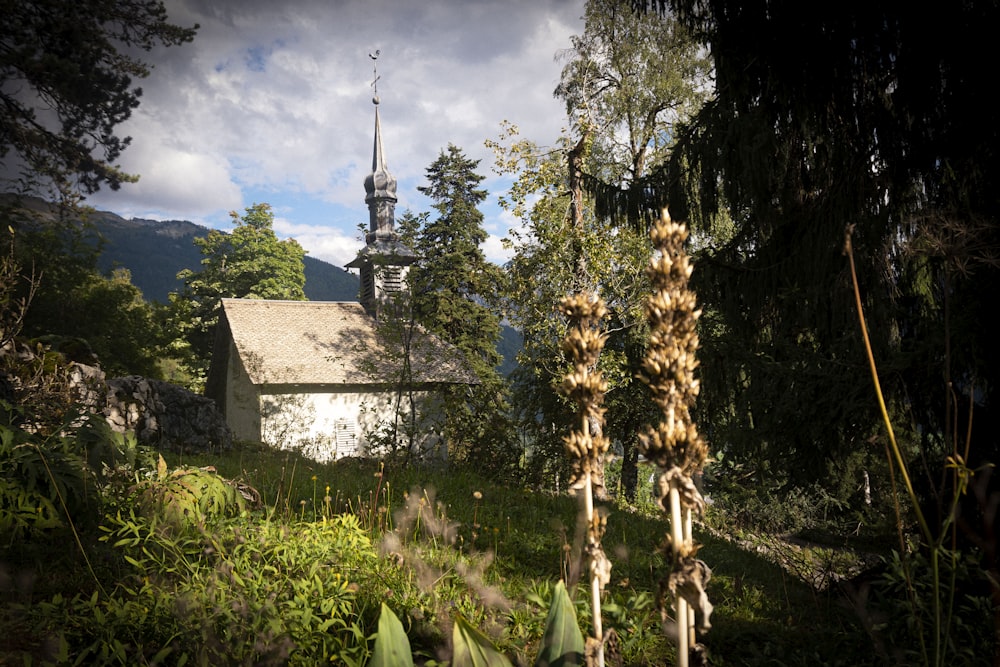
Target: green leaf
x: 392, y: 646
x: 161, y: 655
x: 473, y: 648
x: 562, y: 643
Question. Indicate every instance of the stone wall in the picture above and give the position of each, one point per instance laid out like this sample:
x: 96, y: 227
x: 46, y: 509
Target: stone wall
x: 162, y: 415
x: 166, y: 416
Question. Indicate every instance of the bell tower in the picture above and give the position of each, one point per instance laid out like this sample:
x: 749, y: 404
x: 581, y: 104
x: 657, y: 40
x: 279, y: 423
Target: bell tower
x: 385, y: 259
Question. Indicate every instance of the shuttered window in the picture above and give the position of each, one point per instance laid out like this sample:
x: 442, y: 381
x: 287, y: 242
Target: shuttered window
x: 347, y: 442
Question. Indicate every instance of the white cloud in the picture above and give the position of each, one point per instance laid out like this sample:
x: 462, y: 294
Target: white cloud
x: 175, y: 183
x: 275, y: 98
x: 328, y: 244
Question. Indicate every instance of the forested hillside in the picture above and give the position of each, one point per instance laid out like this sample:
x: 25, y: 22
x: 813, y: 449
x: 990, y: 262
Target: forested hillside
x: 155, y: 251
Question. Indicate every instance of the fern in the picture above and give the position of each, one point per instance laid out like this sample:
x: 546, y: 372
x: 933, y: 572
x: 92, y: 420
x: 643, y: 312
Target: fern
x: 186, y: 496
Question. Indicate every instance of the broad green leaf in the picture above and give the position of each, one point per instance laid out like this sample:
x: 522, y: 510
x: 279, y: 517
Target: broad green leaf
x: 562, y: 643
x: 473, y: 648
x: 392, y: 646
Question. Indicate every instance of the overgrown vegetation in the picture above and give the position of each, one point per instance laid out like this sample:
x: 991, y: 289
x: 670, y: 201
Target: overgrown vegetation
x: 304, y: 574
x: 841, y: 528
x: 433, y: 544
x: 262, y: 556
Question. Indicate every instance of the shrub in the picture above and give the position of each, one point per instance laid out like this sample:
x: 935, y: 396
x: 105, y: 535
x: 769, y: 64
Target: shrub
x: 38, y: 475
x: 225, y: 591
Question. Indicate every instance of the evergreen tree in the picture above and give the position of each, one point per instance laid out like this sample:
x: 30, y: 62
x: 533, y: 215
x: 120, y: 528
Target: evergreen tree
x: 449, y: 289
x: 248, y: 263
x: 454, y: 275
x: 864, y: 114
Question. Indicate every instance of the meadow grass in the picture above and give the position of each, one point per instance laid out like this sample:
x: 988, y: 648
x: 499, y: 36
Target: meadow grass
x: 764, y: 614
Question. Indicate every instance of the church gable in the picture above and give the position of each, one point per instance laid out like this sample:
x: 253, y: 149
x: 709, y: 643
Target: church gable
x: 322, y: 377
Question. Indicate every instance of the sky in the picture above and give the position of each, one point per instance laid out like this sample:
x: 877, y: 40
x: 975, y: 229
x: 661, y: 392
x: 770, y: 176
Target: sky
x: 272, y: 102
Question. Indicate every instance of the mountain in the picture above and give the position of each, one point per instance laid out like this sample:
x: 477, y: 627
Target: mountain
x: 510, y: 343
x: 154, y: 251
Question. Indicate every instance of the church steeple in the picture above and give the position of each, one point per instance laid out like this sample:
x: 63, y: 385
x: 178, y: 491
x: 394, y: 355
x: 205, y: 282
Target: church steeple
x: 384, y: 260
x: 380, y: 188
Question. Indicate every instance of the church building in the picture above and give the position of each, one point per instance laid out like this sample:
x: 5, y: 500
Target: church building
x: 335, y: 379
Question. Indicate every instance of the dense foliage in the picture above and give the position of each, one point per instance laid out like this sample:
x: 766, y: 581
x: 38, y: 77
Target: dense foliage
x: 627, y: 83
x: 250, y: 262
x: 865, y: 116
x: 450, y: 288
x: 75, y: 309
x: 542, y: 271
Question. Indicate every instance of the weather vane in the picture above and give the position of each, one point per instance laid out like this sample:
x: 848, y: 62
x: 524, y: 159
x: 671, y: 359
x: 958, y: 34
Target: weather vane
x: 374, y: 56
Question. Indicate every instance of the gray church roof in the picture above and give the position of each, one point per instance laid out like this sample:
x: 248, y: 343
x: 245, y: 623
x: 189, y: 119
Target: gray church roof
x: 333, y: 343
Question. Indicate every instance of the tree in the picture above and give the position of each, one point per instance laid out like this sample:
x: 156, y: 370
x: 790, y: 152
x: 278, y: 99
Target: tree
x: 543, y: 270
x: 454, y: 276
x: 449, y: 290
x: 66, y: 83
x: 627, y: 83
x: 74, y: 306
x: 866, y: 121
x: 863, y: 115
x: 248, y: 263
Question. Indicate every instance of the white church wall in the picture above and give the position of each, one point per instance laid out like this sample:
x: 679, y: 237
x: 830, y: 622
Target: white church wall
x: 326, y: 425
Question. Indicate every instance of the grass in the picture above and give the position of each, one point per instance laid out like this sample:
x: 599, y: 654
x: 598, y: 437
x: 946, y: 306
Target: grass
x: 764, y: 614
x: 463, y: 545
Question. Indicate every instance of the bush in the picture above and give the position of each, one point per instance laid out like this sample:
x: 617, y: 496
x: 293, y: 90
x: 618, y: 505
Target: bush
x: 48, y: 480
x: 37, y: 476
x: 226, y: 591
x: 899, y: 617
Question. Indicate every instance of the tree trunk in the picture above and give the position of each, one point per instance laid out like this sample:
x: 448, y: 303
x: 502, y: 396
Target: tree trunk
x: 630, y: 470
x: 575, y: 164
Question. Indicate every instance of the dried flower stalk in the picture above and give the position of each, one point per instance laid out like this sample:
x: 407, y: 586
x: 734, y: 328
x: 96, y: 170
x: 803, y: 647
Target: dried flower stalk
x: 675, y: 444
x: 587, y: 446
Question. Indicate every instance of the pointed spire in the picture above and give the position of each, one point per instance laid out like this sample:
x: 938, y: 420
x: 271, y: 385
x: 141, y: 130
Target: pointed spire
x: 380, y: 184
x: 384, y: 260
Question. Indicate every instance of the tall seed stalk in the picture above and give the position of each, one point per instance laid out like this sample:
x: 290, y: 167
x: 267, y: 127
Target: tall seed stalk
x: 675, y: 445
x: 942, y: 595
x: 586, y: 447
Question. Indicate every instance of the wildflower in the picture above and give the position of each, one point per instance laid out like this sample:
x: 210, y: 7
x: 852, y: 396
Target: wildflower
x: 675, y: 444
x: 587, y: 446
